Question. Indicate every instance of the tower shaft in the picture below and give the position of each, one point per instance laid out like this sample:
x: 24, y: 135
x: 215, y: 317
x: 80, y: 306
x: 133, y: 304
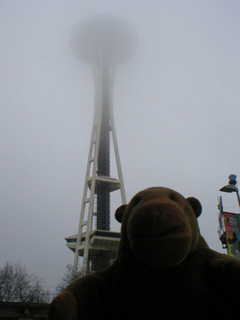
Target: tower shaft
x: 103, y: 167
x: 94, y: 241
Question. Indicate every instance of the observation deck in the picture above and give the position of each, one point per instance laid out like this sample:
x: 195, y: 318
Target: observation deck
x: 100, y: 240
x: 114, y: 184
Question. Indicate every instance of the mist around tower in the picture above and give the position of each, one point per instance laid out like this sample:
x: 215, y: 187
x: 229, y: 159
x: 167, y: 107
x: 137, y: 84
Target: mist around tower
x: 103, y: 38
x: 103, y: 42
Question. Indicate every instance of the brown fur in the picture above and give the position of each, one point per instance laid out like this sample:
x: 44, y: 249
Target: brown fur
x: 164, y: 269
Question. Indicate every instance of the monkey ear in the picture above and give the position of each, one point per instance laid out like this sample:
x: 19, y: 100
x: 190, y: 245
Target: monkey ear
x: 119, y: 213
x: 196, y: 206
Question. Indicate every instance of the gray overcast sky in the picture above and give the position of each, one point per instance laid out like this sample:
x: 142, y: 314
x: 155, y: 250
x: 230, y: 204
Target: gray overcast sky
x: 176, y: 107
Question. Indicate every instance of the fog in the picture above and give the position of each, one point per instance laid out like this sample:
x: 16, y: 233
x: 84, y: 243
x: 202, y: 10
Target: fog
x: 176, y: 111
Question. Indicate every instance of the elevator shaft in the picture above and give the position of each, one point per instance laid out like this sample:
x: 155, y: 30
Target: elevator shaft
x: 103, y: 192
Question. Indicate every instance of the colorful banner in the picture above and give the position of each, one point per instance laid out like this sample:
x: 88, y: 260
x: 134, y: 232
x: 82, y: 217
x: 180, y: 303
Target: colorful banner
x: 232, y: 228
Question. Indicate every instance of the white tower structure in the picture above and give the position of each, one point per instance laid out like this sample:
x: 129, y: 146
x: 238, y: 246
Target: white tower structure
x: 101, y: 42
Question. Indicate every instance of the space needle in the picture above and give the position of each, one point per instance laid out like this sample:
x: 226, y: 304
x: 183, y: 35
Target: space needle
x: 102, y: 42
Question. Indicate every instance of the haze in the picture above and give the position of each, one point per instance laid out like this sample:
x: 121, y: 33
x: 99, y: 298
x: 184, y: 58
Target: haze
x: 176, y: 109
